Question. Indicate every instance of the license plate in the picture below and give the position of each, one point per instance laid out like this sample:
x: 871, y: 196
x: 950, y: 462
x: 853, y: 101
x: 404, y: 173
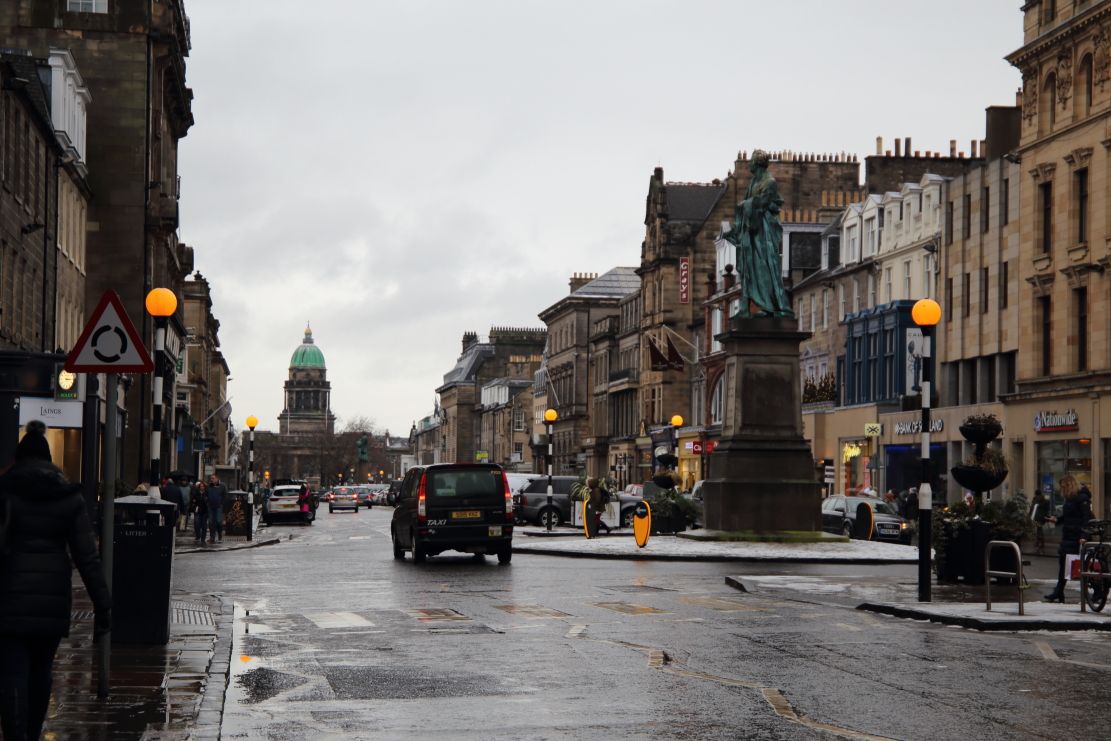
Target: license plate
x: 284, y: 505
x: 467, y: 514
x: 495, y: 531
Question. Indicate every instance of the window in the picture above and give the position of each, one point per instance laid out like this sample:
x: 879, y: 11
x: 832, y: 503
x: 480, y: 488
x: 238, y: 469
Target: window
x: 906, y: 279
x: 813, y: 312
x: 966, y: 297
x: 949, y: 223
x: 948, y: 299
x: 1049, y: 10
x: 1003, y: 285
x: 825, y: 308
x: 1005, y: 206
x: 854, y: 246
x: 1082, y: 206
x: 871, y: 290
x: 870, y: 232
x: 983, y: 290
x: 798, y: 314
x: 887, y: 285
x: 717, y: 403
x: 926, y: 269
x: 966, y: 216
x: 1084, y: 83
x: 519, y: 419
x: 87, y: 6
x: 1045, y: 190
x: 1049, y: 109
x: 1081, y: 298
x: 985, y: 208
x: 841, y: 301
x: 856, y: 295
x: 1045, y: 308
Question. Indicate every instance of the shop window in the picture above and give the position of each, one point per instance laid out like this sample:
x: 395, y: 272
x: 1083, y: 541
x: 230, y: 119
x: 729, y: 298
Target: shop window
x: 1061, y: 457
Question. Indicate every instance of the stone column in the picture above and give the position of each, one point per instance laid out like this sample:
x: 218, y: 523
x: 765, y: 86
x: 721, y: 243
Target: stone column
x: 762, y: 476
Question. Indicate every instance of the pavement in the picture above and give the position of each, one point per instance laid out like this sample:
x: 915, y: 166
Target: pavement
x: 177, y: 691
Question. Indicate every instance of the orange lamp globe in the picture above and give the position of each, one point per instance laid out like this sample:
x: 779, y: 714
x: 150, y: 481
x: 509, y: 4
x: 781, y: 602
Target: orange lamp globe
x: 161, y: 302
x: 677, y: 420
x: 551, y: 415
x: 926, y: 312
x: 252, y: 422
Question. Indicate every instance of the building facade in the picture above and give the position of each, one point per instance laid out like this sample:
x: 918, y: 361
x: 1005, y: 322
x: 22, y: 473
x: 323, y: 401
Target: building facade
x: 201, y: 405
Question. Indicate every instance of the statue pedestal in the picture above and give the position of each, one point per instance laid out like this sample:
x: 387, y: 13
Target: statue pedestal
x: 762, y: 476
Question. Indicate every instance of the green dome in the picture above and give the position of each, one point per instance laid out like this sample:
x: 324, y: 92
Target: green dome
x: 308, y: 355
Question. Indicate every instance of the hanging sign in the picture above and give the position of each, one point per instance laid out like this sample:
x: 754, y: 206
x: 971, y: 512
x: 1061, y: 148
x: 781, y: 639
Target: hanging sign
x: 684, y: 280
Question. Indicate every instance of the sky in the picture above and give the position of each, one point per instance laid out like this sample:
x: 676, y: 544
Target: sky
x: 398, y: 173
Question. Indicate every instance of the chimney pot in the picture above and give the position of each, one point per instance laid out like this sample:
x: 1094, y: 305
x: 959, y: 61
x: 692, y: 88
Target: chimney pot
x: 907, y: 149
x: 972, y: 148
x: 898, y: 147
x: 952, y: 147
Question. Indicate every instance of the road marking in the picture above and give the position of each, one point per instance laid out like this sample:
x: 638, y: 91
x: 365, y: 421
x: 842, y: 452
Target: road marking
x: 1047, y: 651
x: 575, y: 631
x: 846, y: 626
x: 358, y: 537
x: 338, y: 620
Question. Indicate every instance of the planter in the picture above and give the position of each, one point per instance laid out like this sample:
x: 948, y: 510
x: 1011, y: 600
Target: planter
x: 981, y: 434
x: 664, y: 481
x: 671, y: 523
x: 977, y: 479
x: 964, y: 553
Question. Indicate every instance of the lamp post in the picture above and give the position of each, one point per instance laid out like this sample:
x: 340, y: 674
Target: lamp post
x: 550, y: 416
x: 161, y: 303
x: 926, y: 313
x: 252, y: 423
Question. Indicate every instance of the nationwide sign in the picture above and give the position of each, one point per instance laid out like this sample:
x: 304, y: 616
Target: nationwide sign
x: 915, y: 427
x: 1054, y: 422
x: 684, y: 280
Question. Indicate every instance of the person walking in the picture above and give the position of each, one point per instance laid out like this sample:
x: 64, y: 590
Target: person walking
x: 216, y: 496
x: 199, y: 503
x: 171, y: 493
x: 597, y: 499
x: 1075, y: 514
x: 43, y: 527
x: 187, y: 503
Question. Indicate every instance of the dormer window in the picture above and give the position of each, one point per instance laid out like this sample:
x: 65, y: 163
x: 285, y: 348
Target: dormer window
x: 87, y: 6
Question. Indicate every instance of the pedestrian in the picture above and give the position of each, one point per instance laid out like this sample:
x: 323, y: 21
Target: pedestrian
x: 910, y: 504
x: 889, y: 497
x: 186, y: 504
x: 597, y: 499
x: 43, y: 526
x: 1039, y: 513
x: 171, y: 493
x: 216, y: 495
x: 199, y: 504
x: 1075, y: 514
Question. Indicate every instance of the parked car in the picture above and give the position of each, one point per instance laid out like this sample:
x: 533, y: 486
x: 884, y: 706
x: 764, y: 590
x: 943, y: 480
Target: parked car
x: 453, y: 506
x: 284, y: 503
x: 839, y: 516
x: 344, y: 497
x: 391, y: 493
x: 531, y: 505
x: 377, y: 493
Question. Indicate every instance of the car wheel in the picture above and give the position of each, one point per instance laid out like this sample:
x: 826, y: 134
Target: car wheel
x: 398, y: 552
x: 550, y: 513
x: 847, y: 530
x: 480, y: 557
x: 331, y: 510
x: 419, y: 553
x: 627, y: 517
x: 505, y: 554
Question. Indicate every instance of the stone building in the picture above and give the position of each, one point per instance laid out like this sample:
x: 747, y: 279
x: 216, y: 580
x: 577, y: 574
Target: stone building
x: 508, y: 352
x: 505, y: 423
x: 615, y: 417
x: 571, y: 377
x: 202, y: 411
x: 308, y: 394
x: 132, y: 60
x: 1058, y: 417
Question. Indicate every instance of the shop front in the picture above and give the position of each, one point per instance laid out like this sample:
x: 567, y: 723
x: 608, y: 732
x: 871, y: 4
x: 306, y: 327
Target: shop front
x: 693, y: 449
x: 1062, y: 433
x: 838, y: 435
x: 902, y: 453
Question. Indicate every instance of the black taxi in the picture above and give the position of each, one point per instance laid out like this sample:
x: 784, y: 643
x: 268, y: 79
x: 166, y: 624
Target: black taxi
x: 465, y: 507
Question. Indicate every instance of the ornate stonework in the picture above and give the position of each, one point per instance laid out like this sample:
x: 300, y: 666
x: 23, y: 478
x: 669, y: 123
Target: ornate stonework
x: 1064, y: 76
x: 1079, y: 158
x: 1101, y: 60
x: 1043, y: 171
x: 1030, y: 94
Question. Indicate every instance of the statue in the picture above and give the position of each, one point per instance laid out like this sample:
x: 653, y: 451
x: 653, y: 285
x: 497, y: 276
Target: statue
x: 757, y: 234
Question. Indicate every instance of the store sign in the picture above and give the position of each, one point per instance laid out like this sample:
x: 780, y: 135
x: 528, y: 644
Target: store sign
x: 481, y: 456
x: 1054, y: 422
x: 700, y: 447
x: 684, y: 280
x: 873, y: 429
x: 49, y: 412
x: 915, y: 427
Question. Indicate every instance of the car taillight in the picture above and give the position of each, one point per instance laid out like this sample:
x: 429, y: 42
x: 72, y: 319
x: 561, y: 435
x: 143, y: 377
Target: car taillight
x: 508, y: 497
x: 422, y: 499
x: 354, y: 496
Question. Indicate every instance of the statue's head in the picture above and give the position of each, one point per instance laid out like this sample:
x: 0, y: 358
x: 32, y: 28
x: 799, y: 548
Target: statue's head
x: 760, y: 160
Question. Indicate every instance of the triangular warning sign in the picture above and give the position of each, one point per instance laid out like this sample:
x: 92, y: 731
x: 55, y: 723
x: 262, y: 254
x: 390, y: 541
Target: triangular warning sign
x: 109, y: 342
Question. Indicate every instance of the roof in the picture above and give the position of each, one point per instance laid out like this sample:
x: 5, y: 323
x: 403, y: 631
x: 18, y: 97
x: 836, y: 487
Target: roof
x: 615, y: 283
x: 307, y: 355
x: 32, y: 70
x: 691, y: 201
x: 466, y: 368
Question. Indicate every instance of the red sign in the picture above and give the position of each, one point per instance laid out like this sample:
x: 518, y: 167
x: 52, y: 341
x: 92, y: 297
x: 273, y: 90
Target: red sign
x: 698, y: 447
x: 684, y: 280
x: 109, y: 342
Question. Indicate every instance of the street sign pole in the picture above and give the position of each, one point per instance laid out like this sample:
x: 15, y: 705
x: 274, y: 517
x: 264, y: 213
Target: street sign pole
x: 107, y: 517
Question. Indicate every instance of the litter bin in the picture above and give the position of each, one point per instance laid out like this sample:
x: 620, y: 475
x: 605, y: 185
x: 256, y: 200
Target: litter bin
x: 142, y: 569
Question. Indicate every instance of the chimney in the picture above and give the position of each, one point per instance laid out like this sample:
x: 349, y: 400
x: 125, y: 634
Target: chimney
x: 658, y: 174
x: 907, y: 150
x: 952, y: 147
x: 469, y: 339
x: 974, y: 144
x: 879, y: 145
x: 578, y: 280
x: 898, y: 147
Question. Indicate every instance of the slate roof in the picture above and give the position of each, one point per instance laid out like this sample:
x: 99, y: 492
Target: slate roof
x: 691, y: 201
x: 466, y: 368
x: 35, y: 72
x: 614, y: 283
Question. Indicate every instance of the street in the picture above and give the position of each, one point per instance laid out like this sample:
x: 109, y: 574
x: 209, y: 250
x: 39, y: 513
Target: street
x: 336, y: 639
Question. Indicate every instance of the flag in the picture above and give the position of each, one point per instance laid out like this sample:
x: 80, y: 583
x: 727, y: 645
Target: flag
x: 658, y: 361
x: 674, y: 359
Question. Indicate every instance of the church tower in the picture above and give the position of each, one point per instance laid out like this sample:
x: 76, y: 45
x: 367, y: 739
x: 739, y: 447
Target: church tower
x: 307, y: 393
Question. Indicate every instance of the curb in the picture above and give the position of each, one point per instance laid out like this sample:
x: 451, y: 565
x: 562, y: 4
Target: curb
x: 1017, y: 624
x: 252, y: 544
x: 642, y: 556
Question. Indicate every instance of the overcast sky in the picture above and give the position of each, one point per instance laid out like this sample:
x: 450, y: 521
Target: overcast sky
x: 398, y: 173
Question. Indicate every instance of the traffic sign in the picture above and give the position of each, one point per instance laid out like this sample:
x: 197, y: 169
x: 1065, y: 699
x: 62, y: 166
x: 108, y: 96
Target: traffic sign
x: 109, y: 342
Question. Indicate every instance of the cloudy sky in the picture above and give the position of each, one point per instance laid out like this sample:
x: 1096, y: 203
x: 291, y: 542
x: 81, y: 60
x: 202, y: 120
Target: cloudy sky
x: 399, y: 172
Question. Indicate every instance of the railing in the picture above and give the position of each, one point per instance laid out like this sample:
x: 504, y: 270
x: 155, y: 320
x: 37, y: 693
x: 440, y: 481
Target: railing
x: 988, y: 573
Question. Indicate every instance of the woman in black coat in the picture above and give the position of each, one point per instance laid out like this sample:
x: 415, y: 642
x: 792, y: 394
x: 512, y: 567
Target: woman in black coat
x: 1075, y: 514
x: 44, y: 525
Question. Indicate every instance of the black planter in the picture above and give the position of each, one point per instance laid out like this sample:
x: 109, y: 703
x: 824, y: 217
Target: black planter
x: 977, y: 479
x: 981, y: 434
x: 664, y: 481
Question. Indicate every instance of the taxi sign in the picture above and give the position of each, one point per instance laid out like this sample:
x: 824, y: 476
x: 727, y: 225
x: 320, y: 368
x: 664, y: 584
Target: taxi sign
x: 109, y: 342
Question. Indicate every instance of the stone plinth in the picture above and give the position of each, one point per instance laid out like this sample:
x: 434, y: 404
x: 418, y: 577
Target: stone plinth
x: 762, y: 476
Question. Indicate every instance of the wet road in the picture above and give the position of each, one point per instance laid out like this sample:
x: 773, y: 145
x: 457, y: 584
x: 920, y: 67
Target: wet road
x: 336, y: 639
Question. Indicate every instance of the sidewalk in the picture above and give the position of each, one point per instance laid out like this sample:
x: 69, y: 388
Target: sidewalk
x: 186, y: 543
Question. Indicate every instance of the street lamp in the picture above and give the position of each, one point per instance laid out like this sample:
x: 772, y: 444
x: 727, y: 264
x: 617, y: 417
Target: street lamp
x: 926, y: 313
x: 161, y: 304
x: 252, y: 423
x: 550, y: 416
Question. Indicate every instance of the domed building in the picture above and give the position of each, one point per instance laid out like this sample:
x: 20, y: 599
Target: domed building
x: 307, y: 393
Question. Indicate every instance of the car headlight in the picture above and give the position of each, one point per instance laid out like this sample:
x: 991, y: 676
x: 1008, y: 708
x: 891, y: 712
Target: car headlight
x: 903, y: 525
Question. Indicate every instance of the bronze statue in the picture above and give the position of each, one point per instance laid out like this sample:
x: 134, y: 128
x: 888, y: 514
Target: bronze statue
x: 757, y: 235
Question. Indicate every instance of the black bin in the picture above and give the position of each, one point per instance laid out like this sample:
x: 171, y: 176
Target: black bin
x: 142, y: 569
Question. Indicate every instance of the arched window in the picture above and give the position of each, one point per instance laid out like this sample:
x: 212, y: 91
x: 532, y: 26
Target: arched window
x: 1048, y: 112
x: 717, y: 402
x: 1084, y: 86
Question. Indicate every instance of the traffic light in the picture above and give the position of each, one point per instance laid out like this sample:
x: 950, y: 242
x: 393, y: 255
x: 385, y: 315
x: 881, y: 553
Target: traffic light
x: 361, y: 448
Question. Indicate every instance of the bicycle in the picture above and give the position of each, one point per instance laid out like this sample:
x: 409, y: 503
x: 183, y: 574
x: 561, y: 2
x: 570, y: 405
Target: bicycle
x: 1097, y: 562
